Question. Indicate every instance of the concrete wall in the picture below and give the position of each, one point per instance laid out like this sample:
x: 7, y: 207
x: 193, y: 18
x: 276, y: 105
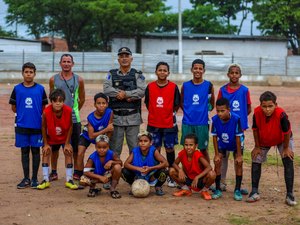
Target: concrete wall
x: 239, y: 48
x: 14, y: 46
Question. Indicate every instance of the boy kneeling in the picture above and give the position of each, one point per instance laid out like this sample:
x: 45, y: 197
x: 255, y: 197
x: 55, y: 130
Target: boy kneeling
x: 102, y: 165
x: 196, y: 173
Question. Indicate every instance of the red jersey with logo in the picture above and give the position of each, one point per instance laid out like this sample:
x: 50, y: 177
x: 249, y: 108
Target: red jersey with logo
x: 161, y: 105
x: 58, y: 128
x: 191, y: 168
x: 270, y: 130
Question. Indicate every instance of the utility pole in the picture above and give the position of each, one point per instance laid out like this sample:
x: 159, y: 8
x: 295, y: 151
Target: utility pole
x: 179, y: 38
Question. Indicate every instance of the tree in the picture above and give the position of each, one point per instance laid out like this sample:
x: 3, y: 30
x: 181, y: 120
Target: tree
x: 4, y: 33
x: 279, y: 18
x: 227, y: 9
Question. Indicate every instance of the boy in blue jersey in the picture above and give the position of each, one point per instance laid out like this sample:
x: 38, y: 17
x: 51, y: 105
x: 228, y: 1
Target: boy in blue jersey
x: 28, y: 100
x: 197, y: 99
x: 240, y: 104
x: 146, y: 162
x: 100, y: 122
x: 226, y: 131
x: 102, y: 166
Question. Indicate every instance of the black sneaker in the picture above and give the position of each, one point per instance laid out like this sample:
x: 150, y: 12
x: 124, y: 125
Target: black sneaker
x: 34, y: 183
x: 24, y: 183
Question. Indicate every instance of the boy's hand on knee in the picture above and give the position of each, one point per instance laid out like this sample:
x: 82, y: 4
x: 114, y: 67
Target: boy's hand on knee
x: 287, y: 152
x: 255, y: 152
x: 46, y: 150
x: 217, y: 159
x: 239, y: 160
x: 68, y: 149
x: 181, y: 175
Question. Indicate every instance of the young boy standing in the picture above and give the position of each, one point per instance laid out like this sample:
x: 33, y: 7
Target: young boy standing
x: 197, y: 98
x: 28, y: 100
x: 196, y: 173
x: 271, y: 127
x: 162, y: 99
x: 226, y: 131
x: 57, y: 131
x: 240, y: 104
x: 100, y: 122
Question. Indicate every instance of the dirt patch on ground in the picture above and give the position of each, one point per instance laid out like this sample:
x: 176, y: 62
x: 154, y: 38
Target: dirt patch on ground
x: 58, y: 205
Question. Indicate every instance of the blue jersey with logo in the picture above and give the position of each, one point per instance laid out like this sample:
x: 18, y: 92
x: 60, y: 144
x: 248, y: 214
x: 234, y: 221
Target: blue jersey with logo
x: 97, y: 124
x: 195, y: 103
x: 29, y: 103
x: 238, y: 103
x: 98, y: 165
x: 226, y: 132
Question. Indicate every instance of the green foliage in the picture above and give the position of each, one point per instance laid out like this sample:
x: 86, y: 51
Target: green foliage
x: 280, y: 18
x: 4, y: 33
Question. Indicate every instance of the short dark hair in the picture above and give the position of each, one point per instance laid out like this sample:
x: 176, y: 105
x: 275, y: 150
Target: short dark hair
x: 66, y: 55
x: 198, y: 61
x: 268, y: 96
x: 28, y: 65
x: 56, y: 93
x: 191, y: 136
x: 223, y: 101
x: 100, y: 95
x: 162, y: 63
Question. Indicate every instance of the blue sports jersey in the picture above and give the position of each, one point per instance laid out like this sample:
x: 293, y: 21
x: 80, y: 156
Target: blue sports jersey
x: 226, y: 132
x: 29, y: 103
x: 195, y: 103
x: 140, y: 160
x: 98, y: 166
x: 97, y: 124
x: 238, y: 103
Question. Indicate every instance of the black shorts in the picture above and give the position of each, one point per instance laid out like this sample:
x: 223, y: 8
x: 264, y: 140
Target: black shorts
x: 55, y: 148
x: 75, y: 136
x: 200, y: 184
x: 84, y: 142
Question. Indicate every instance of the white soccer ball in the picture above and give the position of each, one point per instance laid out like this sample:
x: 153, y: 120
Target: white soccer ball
x: 140, y: 188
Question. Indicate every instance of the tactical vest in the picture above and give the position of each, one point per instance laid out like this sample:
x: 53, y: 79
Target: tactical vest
x: 125, y: 83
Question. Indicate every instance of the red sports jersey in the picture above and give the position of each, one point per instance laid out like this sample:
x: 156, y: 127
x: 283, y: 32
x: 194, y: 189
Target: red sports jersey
x: 269, y: 132
x: 57, y: 128
x: 191, y: 168
x: 161, y: 105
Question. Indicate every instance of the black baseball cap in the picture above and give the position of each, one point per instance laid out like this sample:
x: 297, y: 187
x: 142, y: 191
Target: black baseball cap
x: 124, y: 50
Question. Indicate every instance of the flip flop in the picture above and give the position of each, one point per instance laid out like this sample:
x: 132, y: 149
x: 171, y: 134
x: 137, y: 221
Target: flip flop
x: 115, y: 194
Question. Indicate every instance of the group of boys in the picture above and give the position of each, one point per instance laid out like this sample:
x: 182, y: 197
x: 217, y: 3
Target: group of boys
x: 55, y: 127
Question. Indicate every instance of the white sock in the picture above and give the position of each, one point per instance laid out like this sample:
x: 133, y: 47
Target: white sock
x: 46, y: 173
x: 204, y: 189
x: 69, y: 174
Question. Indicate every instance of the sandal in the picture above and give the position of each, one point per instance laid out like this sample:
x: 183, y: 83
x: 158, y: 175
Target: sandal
x: 115, y: 194
x: 93, y: 192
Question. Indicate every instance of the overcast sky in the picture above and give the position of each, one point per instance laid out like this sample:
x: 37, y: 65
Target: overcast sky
x: 185, y: 4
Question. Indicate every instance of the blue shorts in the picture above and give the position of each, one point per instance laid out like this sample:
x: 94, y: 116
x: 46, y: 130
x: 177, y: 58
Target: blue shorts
x: 26, y: 140
x: 169, y: 138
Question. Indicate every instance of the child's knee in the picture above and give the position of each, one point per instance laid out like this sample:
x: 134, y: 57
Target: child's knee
x: 211, y: 175
x: 117, y: 168
x: 172, y: 172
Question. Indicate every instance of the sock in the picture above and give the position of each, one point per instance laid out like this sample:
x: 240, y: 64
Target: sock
x: 25, y: 161
x: 45, y: 167
x: 238, y: 182
x: 79, y: 172
x: 54, y: 172
x: 171, y: 157
x: 288, y: 174
x: 36, y: 158
x: 218, y: 182
x: 76, y: 172
x: 204, y: 189
x: 113, y: 185
x: 255, y: 176
x: 185, y: 187
x: 69, y: 172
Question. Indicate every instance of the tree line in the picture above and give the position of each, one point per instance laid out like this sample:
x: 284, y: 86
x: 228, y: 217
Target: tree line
x: 92, y: 24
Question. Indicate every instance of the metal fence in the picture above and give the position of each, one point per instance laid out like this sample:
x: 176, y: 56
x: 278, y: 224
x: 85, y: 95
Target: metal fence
x: 102, y: 62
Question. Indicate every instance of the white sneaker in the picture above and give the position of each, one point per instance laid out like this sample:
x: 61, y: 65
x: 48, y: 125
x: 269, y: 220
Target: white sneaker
x: 171, y: 183
x: 290, y: 201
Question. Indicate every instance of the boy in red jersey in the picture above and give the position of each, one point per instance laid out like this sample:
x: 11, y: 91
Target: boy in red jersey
x: 57, y: 131
x: 271, y: 127
x: 162, y: 99
x: 196, y: 173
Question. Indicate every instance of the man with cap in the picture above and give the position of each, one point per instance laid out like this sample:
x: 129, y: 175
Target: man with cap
x: 125, y: 87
